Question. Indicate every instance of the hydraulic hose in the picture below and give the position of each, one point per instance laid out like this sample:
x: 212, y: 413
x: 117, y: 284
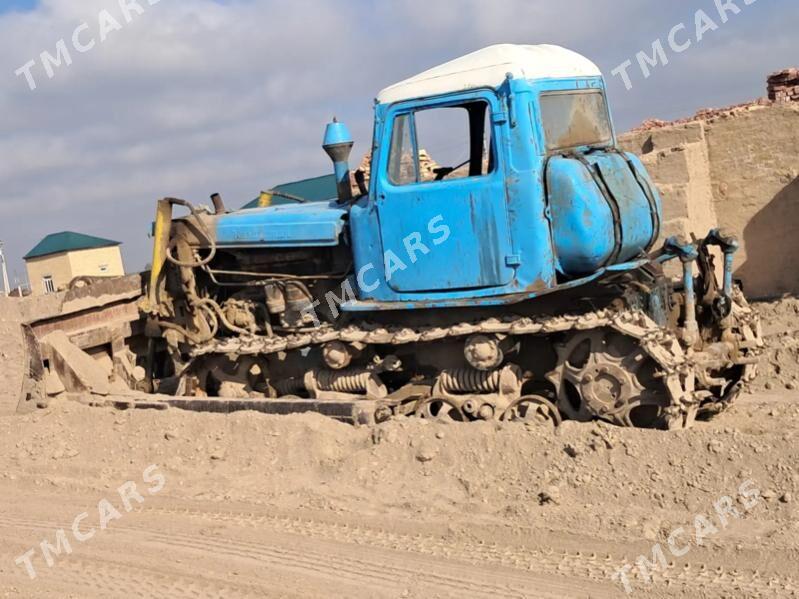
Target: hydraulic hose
x: 203, y: 229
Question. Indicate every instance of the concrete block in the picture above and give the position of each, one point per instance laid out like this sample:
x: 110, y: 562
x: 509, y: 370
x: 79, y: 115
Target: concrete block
x: 669, y: 167
x: 678, y: 135
x: 676, y: 226
x: 675, y: 201
x: 52, y: 384
x: 663, y: 138
x: 78, y: 371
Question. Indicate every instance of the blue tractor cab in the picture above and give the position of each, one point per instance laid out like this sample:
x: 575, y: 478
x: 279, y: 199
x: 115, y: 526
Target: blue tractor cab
x: 543, y: 199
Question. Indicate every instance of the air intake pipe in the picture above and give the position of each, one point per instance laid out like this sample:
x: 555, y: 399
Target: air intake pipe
x: 338, y: 145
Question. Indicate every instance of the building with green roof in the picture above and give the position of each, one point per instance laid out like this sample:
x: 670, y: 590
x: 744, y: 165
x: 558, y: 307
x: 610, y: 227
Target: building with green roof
x: 60, y: 258
x: 315, y: 189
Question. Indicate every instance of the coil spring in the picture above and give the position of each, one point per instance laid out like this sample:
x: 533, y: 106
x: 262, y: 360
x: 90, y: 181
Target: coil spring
x: 291, y: 386
x: 347, y: 381
x: 469, y: 380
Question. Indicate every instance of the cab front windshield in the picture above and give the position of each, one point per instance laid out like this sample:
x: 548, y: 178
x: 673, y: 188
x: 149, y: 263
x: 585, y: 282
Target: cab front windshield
x: 575, y: 119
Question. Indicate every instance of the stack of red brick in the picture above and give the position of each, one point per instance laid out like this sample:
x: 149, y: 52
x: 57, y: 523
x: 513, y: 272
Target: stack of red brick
x: 784, y: 86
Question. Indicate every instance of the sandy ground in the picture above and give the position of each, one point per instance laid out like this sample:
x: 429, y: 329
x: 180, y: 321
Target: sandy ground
x: 147, y: 503
x: 303, y: 506
x: 779, y: 368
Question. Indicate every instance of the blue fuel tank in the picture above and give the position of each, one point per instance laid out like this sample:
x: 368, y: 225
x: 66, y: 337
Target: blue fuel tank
x: 604, y: 210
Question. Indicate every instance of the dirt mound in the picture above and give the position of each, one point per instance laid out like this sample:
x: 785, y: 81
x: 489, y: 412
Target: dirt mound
x: 779, y: 367
x: 410, y: 486
x: 22, y: 380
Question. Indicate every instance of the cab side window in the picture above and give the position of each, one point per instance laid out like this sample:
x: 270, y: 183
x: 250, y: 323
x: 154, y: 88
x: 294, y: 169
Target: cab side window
x: 441, y: 144
x: 402, y: 165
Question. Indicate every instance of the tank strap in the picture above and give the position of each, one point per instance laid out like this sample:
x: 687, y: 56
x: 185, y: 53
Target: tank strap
x: 653, y: 209
x: 613, y: 204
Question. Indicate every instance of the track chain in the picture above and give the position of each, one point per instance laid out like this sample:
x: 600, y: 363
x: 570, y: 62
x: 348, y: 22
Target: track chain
x: 678, y: 368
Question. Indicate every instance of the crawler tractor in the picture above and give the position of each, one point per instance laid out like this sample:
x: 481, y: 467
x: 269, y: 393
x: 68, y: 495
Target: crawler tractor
x: 520, y: 282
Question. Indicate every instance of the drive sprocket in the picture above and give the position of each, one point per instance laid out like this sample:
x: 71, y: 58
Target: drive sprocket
x: 604, y: 374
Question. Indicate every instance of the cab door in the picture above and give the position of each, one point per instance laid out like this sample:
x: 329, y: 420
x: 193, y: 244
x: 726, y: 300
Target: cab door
x: 442, y: 189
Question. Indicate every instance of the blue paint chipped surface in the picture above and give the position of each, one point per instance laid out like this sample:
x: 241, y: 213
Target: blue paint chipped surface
x: 584, y: 225
x: 300, y: 225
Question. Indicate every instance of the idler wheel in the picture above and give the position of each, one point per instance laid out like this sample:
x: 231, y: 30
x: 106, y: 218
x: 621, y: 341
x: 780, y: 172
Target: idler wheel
x: 440, y: 409
x: 535, y: 409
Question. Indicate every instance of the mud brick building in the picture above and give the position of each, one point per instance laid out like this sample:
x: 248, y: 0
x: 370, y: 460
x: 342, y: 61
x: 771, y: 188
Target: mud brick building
x: 735, y: 168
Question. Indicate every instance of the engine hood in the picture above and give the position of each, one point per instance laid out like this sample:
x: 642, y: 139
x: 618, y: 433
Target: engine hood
x: 297, y: 225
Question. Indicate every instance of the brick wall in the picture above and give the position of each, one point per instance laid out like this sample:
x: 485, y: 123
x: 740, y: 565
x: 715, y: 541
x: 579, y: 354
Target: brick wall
x: 737, y: 169
x: 784, y: 86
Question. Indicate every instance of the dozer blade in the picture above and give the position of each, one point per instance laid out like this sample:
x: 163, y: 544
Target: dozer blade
x: 161, y: 231
x: 22, y: 386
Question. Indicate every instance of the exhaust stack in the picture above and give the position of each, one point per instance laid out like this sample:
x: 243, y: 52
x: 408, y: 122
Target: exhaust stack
x: 338, y: 145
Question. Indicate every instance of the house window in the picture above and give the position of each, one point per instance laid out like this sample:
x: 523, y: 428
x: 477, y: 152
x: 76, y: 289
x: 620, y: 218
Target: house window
x: 444, y: 143
x: 49, y: 286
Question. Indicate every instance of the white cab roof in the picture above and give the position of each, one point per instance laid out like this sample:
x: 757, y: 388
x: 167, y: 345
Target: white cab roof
x: 488, y: 68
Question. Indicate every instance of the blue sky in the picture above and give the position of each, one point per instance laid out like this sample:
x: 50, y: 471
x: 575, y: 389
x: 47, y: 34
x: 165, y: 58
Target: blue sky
x: 198, y: 96
x: 18, y: 5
